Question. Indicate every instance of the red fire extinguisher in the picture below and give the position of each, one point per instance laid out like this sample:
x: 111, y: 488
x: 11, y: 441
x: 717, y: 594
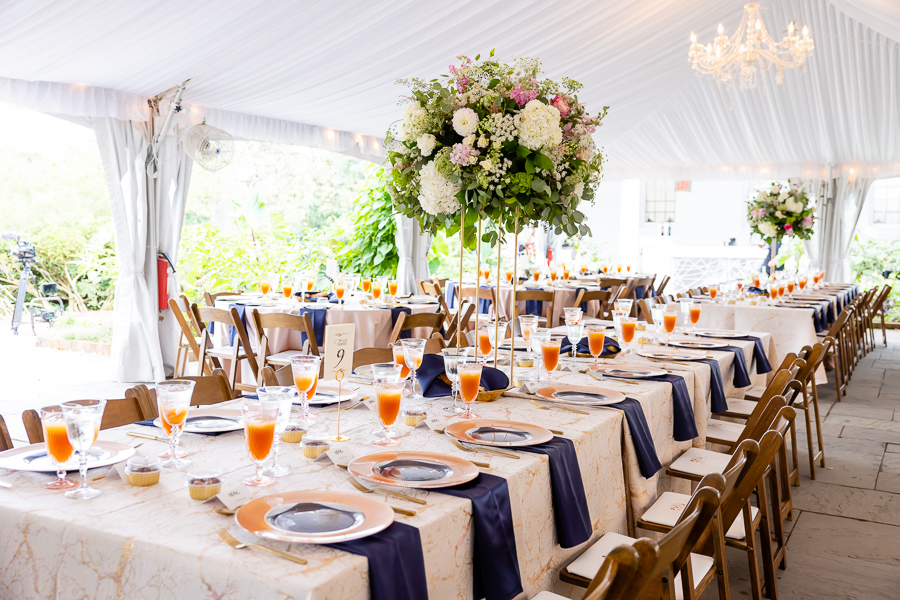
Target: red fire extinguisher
x: 549, y: 256
x: 162, y: 279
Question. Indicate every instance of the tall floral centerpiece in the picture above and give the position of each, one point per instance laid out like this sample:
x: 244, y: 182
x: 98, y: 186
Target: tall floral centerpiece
x: 781, y: 212
x: 491, y: 138
x: 493, y: 143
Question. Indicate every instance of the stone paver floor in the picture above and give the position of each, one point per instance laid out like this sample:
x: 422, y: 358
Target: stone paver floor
x: 845, y: 538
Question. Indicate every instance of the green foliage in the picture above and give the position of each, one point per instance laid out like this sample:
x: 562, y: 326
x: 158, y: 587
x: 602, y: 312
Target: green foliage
x: 875, y: 263
x: 371, y: 247
x: 71, y: 327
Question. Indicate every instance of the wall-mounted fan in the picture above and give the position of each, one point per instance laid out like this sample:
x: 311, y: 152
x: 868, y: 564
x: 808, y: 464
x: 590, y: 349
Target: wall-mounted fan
x: 210, y: 147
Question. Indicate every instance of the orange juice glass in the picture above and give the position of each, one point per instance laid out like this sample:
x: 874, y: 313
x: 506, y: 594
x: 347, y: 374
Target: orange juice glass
x: 713, y: 292
x: 264, y: 287
x: 366, y: 284
x: 695, y: 314
x: 484, y: 342
x: 566, y: 273
x: 802, y: 283
x: 619, y: 267
x: 596, y: 337
x: 392, y: 287
x: 287, y: 290
x: 756, y: 281
x: 536, y: 275
x: 376, y: 290
x: 469, y: 374
x: 173, y: 399
x: 550, y: 354
x: 605, y: 269
x: 780, y: 290
x: 740, y: 286
x: 628, y: 268
x: 400, y: 359
x: 58, y: 447
x: 669, y: 319
x: 790, y: 287
x: 629, y: 324
x: 305, y: 370
x: 509, y: 276
x: 259, y: 432
x: 553, y: 274
x: 309, y: 285
x: 583, y: 270
x: 773, y: 291
x: 388, y: 395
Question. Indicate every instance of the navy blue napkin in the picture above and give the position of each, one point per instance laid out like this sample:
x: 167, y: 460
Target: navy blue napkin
x: 684, y: 427
x: 570, y: 510
x: 759, y: 354
x: 149, y: 423
x: 648, y: 461
x: 232, y: 332
x: 610, y: 346
x: 639, y: 292
x: 396, y: 562
x: 450, y: 294
x: 534, y: 307
x: 830, y: 311
x: 484, y: 304
x: 756, y: 290
x: 741, y: 374
x: 495, y: 562
x: 395, y: 314
x: 429, y: 373
x: 717, y: 402
x: 317, y: 316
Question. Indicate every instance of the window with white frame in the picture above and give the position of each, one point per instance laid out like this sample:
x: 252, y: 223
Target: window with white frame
x: 885, y: 198
x: 659, y: 202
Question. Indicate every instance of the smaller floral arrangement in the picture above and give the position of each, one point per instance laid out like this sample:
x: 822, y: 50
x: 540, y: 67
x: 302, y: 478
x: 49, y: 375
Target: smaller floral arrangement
x: 782, y: 212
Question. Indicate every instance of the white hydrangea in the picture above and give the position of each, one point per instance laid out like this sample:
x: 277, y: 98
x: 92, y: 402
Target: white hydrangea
x: 437, y: 194
x: 414, y: 116
x: 465, y: 122
x: 783, y: 196
x: 538, y: 125
x: 426, y: 143
x: 767, y: 229
x: 793, y: 205
x: 762, y: 197
x: 579, y: 189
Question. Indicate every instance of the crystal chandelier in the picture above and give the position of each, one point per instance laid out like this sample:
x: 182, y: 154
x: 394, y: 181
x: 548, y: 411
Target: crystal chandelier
x: 749, y: 46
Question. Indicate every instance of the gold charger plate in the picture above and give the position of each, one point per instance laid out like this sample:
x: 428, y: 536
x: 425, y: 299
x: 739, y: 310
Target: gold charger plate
x: 493, y: 432
x: 314, y: 517
x: 580, y: 395
x: 423, y: 470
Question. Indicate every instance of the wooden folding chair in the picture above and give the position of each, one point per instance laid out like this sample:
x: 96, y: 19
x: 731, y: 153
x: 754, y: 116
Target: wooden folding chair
x: 208, y: 389
x: 430, y: 288
x: 463, y: 315
x: 118, y: 412
x: 407, y: 322
x: 547, y: 297
x: 622, y: 569
x: 728, y: 433
x: 370, y: 356
x: 604, y: 297
x: 645, y: 309
x: 676, y: 561
x: 808, y: 399
x: 879, y: 309
x: 474, y: 294
x: 187, y: 333
x: 662, y: 285
x: 210, y: 299
x: 5, y: 440
x: 742, y: 408
x: 181, y: 307
x: 299, y: 323
x: 272, y: 376
x: 240, y: 350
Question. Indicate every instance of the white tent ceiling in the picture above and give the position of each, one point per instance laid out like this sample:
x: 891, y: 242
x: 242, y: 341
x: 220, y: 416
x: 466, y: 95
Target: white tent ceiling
x: 321, y: 73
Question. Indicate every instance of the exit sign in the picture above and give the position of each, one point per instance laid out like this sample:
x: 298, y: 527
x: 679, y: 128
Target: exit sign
x: 683, y: 186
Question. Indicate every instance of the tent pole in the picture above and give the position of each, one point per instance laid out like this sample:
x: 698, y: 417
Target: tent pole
x: 498, y: 280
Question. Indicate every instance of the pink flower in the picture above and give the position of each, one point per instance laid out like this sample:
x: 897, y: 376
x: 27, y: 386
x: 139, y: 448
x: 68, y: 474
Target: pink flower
x: 523, y: 96
x: 807, y: 222
x: 562, y: 105
x: 463, y: 155
x: 788, y: 229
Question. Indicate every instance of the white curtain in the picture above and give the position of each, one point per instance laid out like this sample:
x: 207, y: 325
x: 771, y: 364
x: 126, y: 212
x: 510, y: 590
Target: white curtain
x: 814, y: 247
x: 171, y: 195
x: 148, y: 214
x: 413, y: 246
x: 838, y: 225
x: 123, y: 151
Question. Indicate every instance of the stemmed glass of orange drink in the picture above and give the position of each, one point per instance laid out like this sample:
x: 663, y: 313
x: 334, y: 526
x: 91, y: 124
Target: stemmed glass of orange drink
x: 82, y: 418
x: 174, y: 399
x: 259, y: 431
x: 388, y: 395
x: 305, y: 369
x: 58, y: 447
x: 469, y: 374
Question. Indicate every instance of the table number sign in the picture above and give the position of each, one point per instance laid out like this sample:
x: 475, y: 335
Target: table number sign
x: 338, y: 348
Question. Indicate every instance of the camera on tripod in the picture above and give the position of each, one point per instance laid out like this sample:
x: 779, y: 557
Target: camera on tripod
x: 47, y: 306
x: 24, y: 252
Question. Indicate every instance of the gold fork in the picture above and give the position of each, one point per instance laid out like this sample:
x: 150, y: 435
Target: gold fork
x: 580, y: 412
x: 234, y: 543
x: 362, y: 488
x: 365, y: 490
x: 482, y: 449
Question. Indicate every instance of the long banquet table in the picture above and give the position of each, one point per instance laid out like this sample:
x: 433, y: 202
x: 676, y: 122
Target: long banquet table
x: 156, y: 542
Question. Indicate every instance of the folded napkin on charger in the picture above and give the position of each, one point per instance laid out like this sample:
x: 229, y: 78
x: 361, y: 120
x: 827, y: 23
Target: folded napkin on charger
x: 570, y: 510
x: 495, y: 562
x: 432, y: 367
x: 396, y: 562
x: 610, y: 347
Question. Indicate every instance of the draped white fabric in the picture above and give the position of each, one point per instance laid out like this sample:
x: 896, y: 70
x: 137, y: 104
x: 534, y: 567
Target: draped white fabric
x: 413, y: 246
x: 289, y: 71
x: 136, y: 349
x: 73, y: 100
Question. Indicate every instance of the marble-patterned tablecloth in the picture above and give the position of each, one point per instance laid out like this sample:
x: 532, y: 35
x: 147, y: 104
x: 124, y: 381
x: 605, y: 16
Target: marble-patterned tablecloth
x: 155, y: 542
